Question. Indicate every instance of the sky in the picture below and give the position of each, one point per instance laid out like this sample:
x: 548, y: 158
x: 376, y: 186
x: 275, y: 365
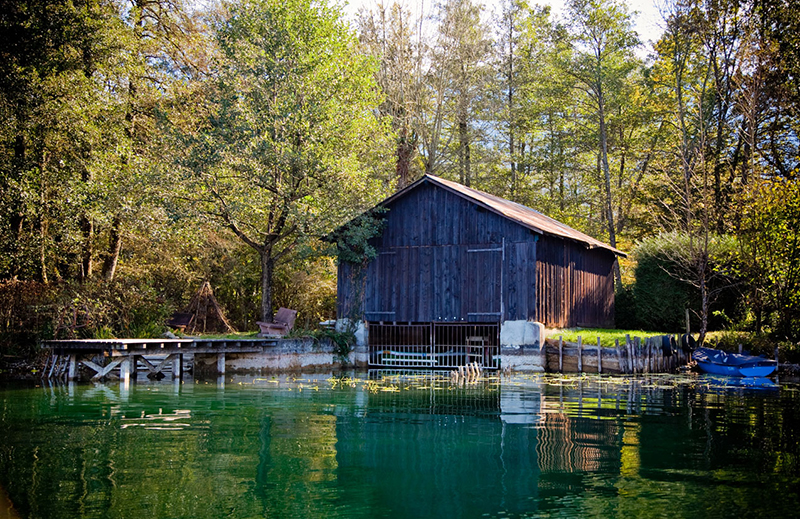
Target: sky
x: 648, y: 20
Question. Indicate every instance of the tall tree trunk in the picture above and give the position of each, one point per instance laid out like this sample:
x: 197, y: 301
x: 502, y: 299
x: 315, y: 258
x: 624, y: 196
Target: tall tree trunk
x: 17, y: 217
x: 609, y: 209
x: 87, y: 230
x: 463, y: 149
x: 404, y: 151
x: 267, y: 269
x: 114, y: 248
x: 87, y: 265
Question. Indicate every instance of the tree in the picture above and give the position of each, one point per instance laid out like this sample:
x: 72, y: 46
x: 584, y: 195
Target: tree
x: 284, y: 152
x: 389, y: 36
x: 771, y: 246
x: 462, y: 55
x: 602, y: 61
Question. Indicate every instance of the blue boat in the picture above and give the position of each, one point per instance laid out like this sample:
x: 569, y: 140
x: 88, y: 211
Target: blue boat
x: 720, y: 362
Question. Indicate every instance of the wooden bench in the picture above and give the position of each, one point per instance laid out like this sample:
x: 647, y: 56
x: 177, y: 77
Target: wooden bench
x: 280, y: 325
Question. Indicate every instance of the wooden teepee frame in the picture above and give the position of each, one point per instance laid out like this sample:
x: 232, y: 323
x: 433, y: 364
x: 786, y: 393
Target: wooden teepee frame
x: 204, y: 308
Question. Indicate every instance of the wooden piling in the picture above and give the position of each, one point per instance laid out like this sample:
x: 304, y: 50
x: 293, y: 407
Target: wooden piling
x: 560, y: 354
x: 599, y: 356
x: 72, y: 374
x: 580, y: 355
x: 637, y: 347
x: 629, y: 352
x: 619, y: 357
x: 221, y: 363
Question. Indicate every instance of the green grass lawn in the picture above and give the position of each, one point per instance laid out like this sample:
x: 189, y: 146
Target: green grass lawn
x: 589, y: 335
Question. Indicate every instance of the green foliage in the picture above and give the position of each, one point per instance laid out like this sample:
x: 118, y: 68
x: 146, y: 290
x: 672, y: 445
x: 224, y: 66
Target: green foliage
x: 283, y: 150
x: 771, y: 248
x: 353, y: 239
x: 36, y: 311
x: 664, y: 285
x: 343, y: 343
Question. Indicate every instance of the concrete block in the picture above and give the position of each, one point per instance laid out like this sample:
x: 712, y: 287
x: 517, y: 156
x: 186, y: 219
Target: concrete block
x: 522, y: 346
x: 521, y: 334
x: 361, y: 332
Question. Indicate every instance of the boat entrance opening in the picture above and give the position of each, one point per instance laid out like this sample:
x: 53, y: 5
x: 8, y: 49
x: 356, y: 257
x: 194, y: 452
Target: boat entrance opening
x: 433, y: 345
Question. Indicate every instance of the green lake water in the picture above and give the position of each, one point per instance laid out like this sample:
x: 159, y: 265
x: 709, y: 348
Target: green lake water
x: 369, y: 446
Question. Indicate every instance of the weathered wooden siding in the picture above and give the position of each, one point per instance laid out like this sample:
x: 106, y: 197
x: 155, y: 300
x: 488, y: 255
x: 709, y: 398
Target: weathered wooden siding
x: 430, y: 215
x: 445, y: 258
x: 575, y: 285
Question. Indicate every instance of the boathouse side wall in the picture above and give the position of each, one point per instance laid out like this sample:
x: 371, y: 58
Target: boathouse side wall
x: 442, y: 257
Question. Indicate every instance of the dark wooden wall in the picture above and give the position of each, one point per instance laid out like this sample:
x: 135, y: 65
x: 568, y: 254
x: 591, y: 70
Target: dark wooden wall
x: 444, y: 258
x: 575, y: 285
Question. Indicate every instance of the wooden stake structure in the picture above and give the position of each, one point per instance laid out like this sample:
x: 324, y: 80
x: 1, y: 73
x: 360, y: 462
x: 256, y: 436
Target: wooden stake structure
x: 599, y: 356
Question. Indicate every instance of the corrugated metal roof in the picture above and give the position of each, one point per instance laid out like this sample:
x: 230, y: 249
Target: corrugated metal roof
x: 519, y: 213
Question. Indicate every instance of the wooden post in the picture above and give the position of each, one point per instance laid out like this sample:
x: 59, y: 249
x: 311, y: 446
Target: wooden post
x: 177, y: 367
x: 629, y: 352
x: 599, y: 356
x: 221, y: 363
x: 72, y: 374
x: 740, y: 349
x: 645, y: 356
x: 125, y: 369
x: 560, y: 354
x: 619, y: 357
x: 637, y: 345
x: 688, y: 328
x: 776, y: 355
x: 580, y: 355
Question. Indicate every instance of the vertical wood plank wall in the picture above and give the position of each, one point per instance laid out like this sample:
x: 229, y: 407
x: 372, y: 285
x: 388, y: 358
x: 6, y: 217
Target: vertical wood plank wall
x: 444, y: 258
x: 575, y: 285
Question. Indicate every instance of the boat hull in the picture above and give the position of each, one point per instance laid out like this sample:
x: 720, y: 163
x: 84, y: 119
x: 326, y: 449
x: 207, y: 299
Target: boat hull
x: 736, y: 371
x: 718, y: 362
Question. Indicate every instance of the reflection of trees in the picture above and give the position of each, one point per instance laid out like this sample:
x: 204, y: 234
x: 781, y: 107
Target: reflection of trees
x: 97, y: 457
x: 686, y: 450
x: 624, y: 448
x: 297, y: 464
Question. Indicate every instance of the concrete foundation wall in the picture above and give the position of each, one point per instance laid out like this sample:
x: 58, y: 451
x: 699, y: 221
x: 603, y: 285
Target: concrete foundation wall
x: 522, y: 346
x: 299, y: 354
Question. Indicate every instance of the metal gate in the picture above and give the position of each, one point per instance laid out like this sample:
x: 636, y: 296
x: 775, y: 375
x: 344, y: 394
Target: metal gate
x: 433, y: 345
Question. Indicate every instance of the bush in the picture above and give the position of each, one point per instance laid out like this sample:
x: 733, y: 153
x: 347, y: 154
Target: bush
x: 755, y: 343
x: 662, y: 290
x: 33, y: 311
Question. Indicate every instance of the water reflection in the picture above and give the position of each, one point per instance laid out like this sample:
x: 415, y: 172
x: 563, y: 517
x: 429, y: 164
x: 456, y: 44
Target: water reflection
x: 401, y: 445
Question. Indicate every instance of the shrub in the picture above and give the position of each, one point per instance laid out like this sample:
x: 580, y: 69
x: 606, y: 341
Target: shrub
x: 663, y: 287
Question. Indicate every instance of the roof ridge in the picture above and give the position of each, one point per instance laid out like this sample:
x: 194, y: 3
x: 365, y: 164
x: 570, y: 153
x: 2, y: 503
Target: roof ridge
x: 507, y: 209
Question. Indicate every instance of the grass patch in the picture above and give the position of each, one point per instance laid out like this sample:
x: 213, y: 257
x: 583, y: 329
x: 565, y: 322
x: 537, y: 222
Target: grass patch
x: 590, y: 335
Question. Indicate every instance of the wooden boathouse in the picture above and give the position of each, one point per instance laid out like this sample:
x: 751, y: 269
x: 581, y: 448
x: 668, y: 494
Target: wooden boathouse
x: 455, y: 265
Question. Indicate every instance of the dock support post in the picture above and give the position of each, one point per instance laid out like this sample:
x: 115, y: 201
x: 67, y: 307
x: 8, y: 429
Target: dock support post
x: 177, y: 366
x: 599, y: 356
x: 221, y: 363
x: 73, y: 367
x: 580, y: 354
x: 560, y: 354
x: 125, y: 370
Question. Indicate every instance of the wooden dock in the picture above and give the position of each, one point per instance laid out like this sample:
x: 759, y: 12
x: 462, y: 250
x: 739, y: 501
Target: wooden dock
x: 635, y: 356
x: 104, y: 356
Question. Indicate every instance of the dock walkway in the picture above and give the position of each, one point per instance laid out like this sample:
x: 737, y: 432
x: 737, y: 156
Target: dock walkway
x: 125, y: 355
